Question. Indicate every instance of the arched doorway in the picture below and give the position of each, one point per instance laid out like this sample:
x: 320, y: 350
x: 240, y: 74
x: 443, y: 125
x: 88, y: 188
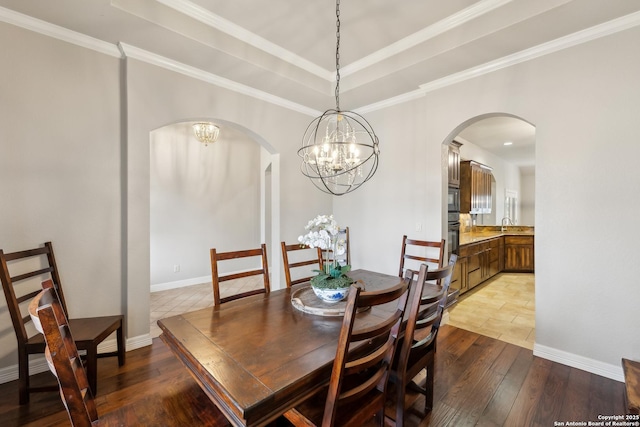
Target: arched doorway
x: 502, y: 305
x: 223, y: 195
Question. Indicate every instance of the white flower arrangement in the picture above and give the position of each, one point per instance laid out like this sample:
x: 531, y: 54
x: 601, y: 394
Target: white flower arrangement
x: 323, y: 233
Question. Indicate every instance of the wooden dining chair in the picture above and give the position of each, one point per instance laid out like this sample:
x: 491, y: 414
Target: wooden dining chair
x: 344, y: 240
x: 216, y: 277
x: 61, y: 353
x: 299, y: 261
x: 62, y: 356
x: 422, y: 251
x: 631, y: 373
x: 343, y: 254
x: 358, y: 384
x: 416, y: 349
x: 20, y: 286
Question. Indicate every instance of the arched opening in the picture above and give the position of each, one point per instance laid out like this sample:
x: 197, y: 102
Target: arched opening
x: 220, y: 195
x: 496, y: 299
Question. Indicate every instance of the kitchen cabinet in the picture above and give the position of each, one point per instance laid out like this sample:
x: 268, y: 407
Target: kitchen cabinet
x: 519, y: 253
x: 479, y: 262
x: 495, y: 256
x: 475, y: 188
x: 459, y: 277
x: 454, y: 164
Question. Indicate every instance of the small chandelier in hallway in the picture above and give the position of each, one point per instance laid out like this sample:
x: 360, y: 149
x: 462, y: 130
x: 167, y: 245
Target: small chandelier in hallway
x: 206, y: 132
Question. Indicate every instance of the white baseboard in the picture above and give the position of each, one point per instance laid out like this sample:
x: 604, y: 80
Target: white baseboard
x: 569, y: 359
x: 580, y: 362
x: 38, y: 364
x: 180, y: 283
x: 138, y: 342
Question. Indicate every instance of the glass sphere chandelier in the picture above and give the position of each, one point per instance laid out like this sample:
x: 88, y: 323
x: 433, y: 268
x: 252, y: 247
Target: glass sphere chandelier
x: 339, y: 149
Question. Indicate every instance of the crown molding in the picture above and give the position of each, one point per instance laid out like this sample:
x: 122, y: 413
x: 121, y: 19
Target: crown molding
x: 440, y: 27
x: 124, y: 50
x: 574, y: 39
x: 611, y: 27
x: 133, y: 52
x: 390, y: 102
x: 45, y: 28
x: 205, y: 16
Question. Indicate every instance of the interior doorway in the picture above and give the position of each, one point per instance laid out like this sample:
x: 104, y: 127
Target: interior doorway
x: 502, y: 306
x: 224, y: 194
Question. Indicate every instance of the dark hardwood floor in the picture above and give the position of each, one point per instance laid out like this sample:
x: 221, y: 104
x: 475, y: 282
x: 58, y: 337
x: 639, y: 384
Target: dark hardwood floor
x: 479, y: 381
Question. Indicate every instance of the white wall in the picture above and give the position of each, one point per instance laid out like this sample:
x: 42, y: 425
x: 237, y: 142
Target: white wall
x: 584, y: 104
x: 202, y: 197
x: 60, y: 168
x: 402, y: 196
x: 527, y: 198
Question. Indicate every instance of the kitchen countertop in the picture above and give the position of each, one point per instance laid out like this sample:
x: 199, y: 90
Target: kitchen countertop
x: 486, y: 233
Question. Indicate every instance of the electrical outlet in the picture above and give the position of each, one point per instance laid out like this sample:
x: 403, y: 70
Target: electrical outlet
x: 418, y: 226
x: 176, y: 268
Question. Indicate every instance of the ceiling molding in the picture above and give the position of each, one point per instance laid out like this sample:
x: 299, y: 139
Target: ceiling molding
x: 79, y: 39
x: 45, y: 28
x: 390, y: 102
x: 440, y: 27
x: 574, y: 39
x: 196, y: 73
x: 123, y: 50
x: 207, y: 17
x: 611, y: 27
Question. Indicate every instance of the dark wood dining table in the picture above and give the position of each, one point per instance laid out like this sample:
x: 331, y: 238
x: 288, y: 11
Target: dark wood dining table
x: 259, y: 356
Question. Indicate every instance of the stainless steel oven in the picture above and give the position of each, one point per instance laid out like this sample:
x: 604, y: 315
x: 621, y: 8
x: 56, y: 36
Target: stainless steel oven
x: 453, y: 232
x: 453, y: 236
x: 453, y: 200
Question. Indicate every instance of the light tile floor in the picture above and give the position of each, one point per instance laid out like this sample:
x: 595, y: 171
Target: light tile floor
x: 502, y: 308
x: 191, y: 298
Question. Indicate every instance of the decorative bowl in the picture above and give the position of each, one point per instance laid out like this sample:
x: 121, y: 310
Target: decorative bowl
x: 331, y: 295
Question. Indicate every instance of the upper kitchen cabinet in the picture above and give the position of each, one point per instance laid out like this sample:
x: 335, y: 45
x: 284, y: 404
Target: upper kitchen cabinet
x: 475, y: 188
x: 454, y: 164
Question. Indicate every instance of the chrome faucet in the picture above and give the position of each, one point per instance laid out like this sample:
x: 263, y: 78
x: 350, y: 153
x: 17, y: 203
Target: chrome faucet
x: 508, y: 222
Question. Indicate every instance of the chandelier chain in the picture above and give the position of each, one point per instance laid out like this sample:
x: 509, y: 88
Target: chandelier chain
x: 337, y: 93
x: 339, y: 149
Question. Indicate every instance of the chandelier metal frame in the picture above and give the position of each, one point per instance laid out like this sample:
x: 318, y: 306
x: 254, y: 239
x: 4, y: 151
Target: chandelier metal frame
x: 333, y: 143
